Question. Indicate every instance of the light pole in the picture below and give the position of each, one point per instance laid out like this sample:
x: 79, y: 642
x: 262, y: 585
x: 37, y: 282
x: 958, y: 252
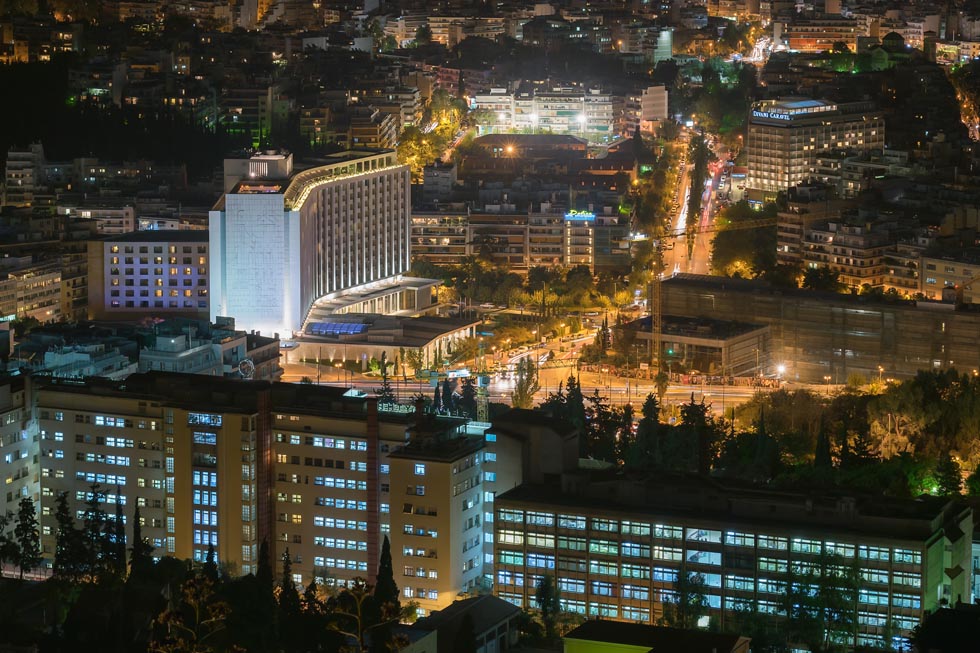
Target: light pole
x: 880, y: 370
x: 826, y: 380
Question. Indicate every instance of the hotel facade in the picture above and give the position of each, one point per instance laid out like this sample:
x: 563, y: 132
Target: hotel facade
x: 281, y: 240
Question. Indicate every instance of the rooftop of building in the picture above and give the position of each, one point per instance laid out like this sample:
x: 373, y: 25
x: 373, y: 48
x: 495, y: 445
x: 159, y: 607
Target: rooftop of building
x: 524, y: 140
x: 487, y: 612
x: 736, y: 504
x: 161, y: 236
x: 697, y: 327
x: 759, y: 286
x: 658, y: 638
x: 516, y: 420
x: 393, y: 330
x: 434, y: 448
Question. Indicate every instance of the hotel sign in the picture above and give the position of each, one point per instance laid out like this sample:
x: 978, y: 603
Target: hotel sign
x: 771, y: 116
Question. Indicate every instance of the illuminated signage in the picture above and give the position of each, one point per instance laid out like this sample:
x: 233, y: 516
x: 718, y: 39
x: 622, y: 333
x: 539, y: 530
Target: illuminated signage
x: 580, y: 215
x: 770, y: 115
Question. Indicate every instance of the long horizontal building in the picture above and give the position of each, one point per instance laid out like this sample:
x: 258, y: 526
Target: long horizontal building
x: 819, y: 334
x: 617, y: 548
x: 522, y: 241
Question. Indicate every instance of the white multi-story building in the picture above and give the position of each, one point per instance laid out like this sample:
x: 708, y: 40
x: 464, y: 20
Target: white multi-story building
x: 163, y: 273
x: 786, y: 137
x: 589, y: 113
x: 280, y: 243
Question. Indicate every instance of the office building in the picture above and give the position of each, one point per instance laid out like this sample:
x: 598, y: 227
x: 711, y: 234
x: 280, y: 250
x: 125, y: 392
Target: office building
x: 617, y: 547
x: 149, y: 273
x: 283, y: 239
x: 786, y: 137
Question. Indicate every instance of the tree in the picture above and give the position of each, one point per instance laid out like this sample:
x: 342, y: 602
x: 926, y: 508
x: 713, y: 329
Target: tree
x: 822, y: 456
x: 467, y: 399
x: 448, y: 396
x: 688, y: 603
x: 140, y: 559
x: 385, y: 590
x: 94, y: 532
x: 973, y: 483
x: 386, y: 394
x: 600, y: 430
x: 288, y: 596
x: 211, y: 563
x: 423, y: 35
x: 116, y: 541
x: 525, y: 384
x: 949, y: 478
x: 437, y: 399
x: 821, y: 603
x: 28, y: 536
x: 625, y: 436
x: 69, y: 556
x: 823, y: 279
x: 547, y: 598
x: 645, y: 452
x: 191, y: 623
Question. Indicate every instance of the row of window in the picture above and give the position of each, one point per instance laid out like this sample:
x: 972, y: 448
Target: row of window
x: 322, y: 441
x: 729, y: 538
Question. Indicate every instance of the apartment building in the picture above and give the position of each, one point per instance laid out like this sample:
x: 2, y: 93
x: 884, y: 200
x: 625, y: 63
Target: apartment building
x: 856, y: 252
x: 589, y: 113
x: 617, y: 548
x: 163, y: 273
x: 228, y: 464
x: 436, y: 491
x: 31, y: 290
x: 786, y: 137
x: 18, y: 446
x: 520, y: 242
x: 819, y: 33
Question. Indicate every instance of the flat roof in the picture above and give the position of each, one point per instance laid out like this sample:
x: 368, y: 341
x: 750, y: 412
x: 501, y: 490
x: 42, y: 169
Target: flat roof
x: 730, y: 503
x: 162, y: 236
x: 657, y: 638
x: 439, y: 450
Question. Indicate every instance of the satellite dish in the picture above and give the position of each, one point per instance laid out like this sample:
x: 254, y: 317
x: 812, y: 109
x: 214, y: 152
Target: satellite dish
x: 246, y: 368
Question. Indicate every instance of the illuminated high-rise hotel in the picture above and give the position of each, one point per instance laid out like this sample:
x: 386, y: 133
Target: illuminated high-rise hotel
x: 337, y: 233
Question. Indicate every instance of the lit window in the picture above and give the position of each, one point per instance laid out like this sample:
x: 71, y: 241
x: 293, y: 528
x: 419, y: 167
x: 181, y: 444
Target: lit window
x: 419, y: 469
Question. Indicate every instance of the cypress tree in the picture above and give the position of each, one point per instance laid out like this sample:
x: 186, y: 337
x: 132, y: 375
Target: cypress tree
x: 28, y: 536
x: 140, y: 559
x: 821, y: 456
x: 264, y: 572
x: 385, y: 589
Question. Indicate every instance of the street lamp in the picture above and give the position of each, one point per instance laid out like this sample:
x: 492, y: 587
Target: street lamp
x: 880, y: 370
x: 780, y: 370
x: 826, y: 380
